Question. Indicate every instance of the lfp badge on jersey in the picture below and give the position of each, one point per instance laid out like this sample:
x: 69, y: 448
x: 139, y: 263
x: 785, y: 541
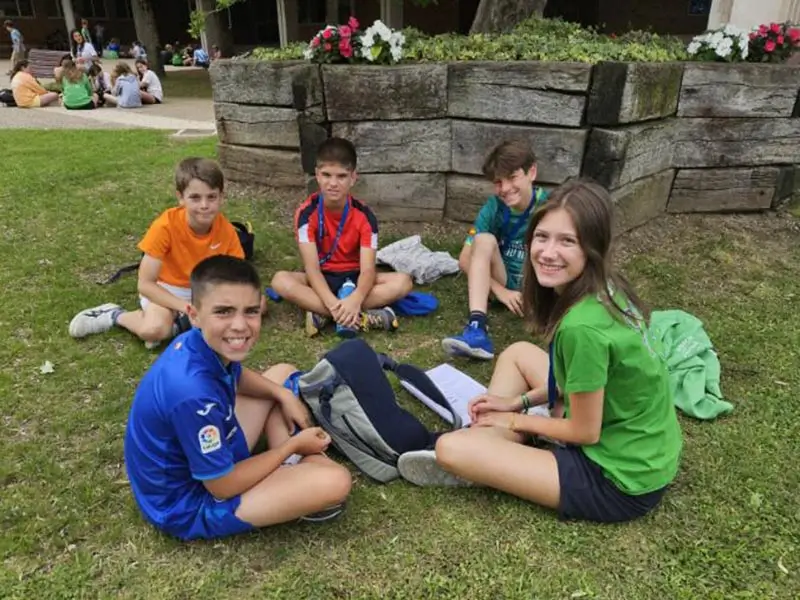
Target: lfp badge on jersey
x: 209, y: 439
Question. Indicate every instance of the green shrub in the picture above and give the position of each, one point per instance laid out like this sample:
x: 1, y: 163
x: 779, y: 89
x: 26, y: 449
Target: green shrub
x: 533, y: 39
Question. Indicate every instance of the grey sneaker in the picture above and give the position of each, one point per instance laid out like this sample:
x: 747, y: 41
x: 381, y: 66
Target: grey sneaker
x: 379, y: 318
x: 324, y: 515
x: 420, y: 468
x: 93, y: 320
x: 315, y: 323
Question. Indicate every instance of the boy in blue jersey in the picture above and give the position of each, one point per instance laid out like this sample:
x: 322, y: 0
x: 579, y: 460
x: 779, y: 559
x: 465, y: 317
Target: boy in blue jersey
x: 198, y: 413
x: 494, y: 251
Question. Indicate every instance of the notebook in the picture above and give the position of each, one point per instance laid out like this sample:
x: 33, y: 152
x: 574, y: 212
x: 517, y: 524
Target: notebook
x: 459, y: 388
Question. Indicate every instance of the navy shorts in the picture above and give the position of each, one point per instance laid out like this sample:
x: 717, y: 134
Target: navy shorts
x: 588, y: 495
x: 336, y: 280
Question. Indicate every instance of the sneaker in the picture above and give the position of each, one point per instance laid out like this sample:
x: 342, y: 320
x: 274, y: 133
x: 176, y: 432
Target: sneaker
x: 420, y: 468
x: 326, y: 514
x: 315, y: 323
x: 93, y: 320
x: 380, y: 318
x: 473, y: 342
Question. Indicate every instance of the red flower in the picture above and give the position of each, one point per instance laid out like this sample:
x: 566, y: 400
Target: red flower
x: 345, y: 31
x: 769, y: 46
x: 794, y: 34
x: 314, y: 42
x: 780, y: 40
x: 327, y: 34
x: 345, y: 49
x: 775, y: 28
x: 352, y: 22
x: 762, y: 29
x: 753, y: 35
x: 327, y: 47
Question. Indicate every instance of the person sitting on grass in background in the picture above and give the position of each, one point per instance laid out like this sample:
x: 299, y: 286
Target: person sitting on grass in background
x: 198, y: 414
x: 175, y: 242
x: 619, y: 442
x: 77, y: 91
x: 82, y: 50
x: 101, y: 81
x: 27, y: 91
x: 494, y: 252
x: 149, y: 83
x: 338, y: 240
x: 125, y: 91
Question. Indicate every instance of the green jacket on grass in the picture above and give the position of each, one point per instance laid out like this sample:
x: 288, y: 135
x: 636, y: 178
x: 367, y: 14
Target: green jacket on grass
x: 694, y: 369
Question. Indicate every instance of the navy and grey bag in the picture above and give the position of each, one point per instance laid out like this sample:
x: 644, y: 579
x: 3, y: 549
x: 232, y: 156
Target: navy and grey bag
x: 352, y: 400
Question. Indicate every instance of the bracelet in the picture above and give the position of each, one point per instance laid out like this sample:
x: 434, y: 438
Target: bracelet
x: 526, y: 403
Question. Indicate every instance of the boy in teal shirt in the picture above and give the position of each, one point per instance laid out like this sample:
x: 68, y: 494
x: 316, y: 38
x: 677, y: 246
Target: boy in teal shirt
x: 494, y: 251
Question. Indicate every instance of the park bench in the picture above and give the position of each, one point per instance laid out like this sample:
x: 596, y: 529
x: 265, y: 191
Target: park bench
x: 43, y: 62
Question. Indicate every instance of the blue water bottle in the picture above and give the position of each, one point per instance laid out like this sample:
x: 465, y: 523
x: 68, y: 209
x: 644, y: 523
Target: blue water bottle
x: 347, y: 288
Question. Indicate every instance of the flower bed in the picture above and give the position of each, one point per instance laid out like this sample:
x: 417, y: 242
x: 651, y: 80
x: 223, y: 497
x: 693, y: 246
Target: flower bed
x: 664, y: 135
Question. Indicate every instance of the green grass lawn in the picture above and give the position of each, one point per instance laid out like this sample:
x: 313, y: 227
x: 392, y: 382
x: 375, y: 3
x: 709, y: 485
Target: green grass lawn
x: 191, y: 83
x: 730, y: 527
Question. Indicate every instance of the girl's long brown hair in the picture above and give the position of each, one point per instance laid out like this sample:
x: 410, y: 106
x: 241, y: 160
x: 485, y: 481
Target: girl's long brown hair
x: 590, y: 207
x: 18, y: 66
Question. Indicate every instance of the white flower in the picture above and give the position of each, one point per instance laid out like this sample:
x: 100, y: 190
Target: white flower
x: 693, y: 48
x: 308, y: 53
x: 380, y: 29
x: 724, y: 51
x: 397, y: 53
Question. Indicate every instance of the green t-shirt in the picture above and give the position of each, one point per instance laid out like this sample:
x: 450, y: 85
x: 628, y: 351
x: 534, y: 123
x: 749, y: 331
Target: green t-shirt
x: 492, y: 218
x: 76, y: 94
x: 640, y: 440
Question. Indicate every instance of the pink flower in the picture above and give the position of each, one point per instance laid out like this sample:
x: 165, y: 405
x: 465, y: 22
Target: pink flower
x: 753, y: 35
x: 328, y: 47
x: 314, y: 42
x: 345, y: 49
x: 352, y: 22
x: 762, y: 29
x: 345, y: 31
x: 780, y: 40
x: 769, y: 46
x: 327, y: 34
x: 775, y: 28
x: 794, y: 34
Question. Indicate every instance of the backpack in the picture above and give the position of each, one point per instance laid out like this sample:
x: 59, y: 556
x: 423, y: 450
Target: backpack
x: 352, y: 400
x: 247, y: 238
x: 7, y: 98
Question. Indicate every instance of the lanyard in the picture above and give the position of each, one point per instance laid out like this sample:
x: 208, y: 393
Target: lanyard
x: 523, y: 220
x: 552, y: 390
x: 321, y: 229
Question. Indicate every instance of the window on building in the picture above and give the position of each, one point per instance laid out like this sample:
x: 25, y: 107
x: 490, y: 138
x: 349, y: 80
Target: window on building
x: 89, y: 9
x: 345, y: 11
x: 122, y: 9
x: 311, y: 12
x: 52, y: 8
x: 16, y: 8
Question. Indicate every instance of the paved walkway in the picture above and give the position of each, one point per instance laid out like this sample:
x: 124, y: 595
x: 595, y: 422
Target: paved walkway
x: 176, y: 114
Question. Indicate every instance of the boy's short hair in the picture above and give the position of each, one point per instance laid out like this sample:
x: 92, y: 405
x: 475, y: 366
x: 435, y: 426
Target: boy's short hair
x: 337, y: 151
x: 507, y: 157
x: 8, y: 23
x: 221, y: 269
x: 206, y: 170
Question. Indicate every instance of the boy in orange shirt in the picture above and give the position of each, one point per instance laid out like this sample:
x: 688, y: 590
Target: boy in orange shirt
x: 176, y: 241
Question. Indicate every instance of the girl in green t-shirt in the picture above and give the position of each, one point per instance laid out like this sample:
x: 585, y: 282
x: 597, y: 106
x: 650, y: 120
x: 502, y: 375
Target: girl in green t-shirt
x: 615, y: 433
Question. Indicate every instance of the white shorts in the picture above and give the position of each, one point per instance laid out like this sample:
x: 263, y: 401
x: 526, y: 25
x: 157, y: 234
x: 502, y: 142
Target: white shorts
x: 180, y: 292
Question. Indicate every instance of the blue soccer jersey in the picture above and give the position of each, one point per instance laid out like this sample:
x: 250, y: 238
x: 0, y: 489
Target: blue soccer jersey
x: 181, y: 431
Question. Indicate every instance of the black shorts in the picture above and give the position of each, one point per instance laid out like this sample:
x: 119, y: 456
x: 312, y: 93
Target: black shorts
x: 587, y: 494
x: 336, y: 279
x: 88, y: 106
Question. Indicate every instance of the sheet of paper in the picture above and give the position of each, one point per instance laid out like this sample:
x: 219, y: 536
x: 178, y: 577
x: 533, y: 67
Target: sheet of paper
x: 459, y: 388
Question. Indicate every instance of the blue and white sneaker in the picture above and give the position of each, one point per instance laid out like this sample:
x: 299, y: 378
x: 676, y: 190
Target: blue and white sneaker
x: 473, y: 342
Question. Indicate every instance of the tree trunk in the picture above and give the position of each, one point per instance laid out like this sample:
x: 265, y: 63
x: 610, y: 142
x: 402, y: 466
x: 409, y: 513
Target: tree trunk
x: 145, y: 22
x: 500, y: 16
x: 217, y: 31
